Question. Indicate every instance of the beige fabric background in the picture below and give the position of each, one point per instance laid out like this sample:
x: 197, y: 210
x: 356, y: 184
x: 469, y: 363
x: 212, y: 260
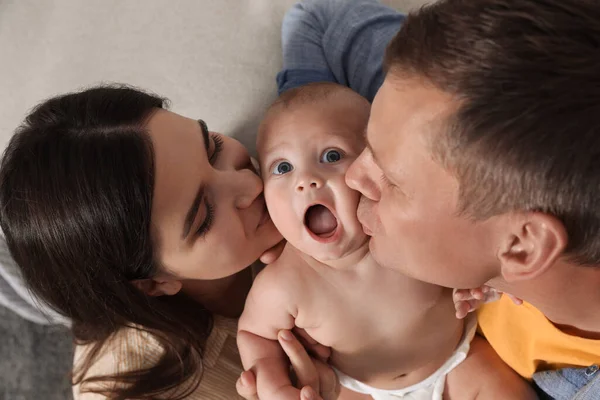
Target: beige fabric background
x: 215, y: 59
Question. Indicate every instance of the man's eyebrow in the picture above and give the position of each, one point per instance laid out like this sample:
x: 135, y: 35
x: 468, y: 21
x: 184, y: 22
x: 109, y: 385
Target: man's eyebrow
x: 191, y: 214
x: 204, y: 130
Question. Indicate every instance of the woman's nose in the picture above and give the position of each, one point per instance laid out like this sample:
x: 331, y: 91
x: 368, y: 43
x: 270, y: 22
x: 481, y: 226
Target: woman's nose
x: 235, y: 155
x: 359, y: 176
x: 247, y: 186
x: 308, y: 181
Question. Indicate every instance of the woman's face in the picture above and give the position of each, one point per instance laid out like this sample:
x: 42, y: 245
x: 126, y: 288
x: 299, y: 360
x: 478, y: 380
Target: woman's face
x: 209, y: 217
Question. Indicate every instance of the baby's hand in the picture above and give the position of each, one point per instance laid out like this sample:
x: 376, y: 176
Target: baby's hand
x: 468, y: 300
x: 317, y: 380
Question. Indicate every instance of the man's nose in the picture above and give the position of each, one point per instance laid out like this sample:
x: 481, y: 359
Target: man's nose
x: 359, y: 176
x: 308, y: 181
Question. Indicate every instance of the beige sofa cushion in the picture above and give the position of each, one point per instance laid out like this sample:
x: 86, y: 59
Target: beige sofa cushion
x: 215, y: 59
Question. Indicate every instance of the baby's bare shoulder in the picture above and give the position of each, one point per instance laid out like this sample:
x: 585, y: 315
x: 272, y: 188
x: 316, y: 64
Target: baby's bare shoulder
x: 284, y: 277
x: 483, y: 375
x: 273, y: 301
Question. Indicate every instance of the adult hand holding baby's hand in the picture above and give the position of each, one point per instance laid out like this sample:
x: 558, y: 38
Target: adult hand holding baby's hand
x: 469, y: 300
x: 316, y: 378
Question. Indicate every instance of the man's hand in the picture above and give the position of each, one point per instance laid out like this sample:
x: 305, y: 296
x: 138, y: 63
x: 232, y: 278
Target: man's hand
x: 469, y: 300
x: 317, y: 379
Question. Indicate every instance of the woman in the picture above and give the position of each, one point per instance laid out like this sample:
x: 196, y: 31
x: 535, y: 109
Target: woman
x: 138, y: 224
x: 94, y: 186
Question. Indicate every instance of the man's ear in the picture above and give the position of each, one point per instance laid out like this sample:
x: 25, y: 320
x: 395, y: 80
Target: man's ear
x: 158, y: 286
x: 533, y: 243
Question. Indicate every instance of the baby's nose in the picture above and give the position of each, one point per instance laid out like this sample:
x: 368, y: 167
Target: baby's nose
x: 309, y: 182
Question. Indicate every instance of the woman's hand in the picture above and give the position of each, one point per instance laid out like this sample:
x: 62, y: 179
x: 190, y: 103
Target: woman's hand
x: 316, y: 378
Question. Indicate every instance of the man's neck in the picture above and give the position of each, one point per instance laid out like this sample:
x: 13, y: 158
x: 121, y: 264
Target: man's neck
x: 567, y: 294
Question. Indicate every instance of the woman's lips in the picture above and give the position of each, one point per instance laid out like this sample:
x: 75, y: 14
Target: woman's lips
x: 265, y: 217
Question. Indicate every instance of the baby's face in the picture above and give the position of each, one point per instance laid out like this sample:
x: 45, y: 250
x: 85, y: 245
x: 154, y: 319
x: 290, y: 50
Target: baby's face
x: 304, y: 155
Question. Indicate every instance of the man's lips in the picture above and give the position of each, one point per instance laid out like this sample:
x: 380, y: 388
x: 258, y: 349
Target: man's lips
x: 361, y: 214
x: 366, y: 230
x: 365, y: 227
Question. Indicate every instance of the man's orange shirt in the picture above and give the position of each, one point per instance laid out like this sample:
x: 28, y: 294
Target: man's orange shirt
x: 528, y: 342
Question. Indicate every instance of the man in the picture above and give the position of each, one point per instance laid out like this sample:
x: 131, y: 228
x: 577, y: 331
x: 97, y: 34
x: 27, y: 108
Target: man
x: 483, y: 165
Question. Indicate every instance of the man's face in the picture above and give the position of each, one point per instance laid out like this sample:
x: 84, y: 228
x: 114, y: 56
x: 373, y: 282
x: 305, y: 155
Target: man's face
x: 409, y: 202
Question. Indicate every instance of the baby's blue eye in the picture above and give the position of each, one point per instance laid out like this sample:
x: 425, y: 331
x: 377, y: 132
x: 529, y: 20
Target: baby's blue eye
x: 331, y: 156
x: 282, y: 167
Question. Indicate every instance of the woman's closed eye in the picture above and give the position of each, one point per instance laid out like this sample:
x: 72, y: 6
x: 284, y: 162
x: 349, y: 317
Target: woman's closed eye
x: 208, y: 220
x: 212, y: 141
x: 213, y: 144
x: 218, y: 147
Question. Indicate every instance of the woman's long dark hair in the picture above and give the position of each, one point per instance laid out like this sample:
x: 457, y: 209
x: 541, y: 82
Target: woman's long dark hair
x: 76, y: 184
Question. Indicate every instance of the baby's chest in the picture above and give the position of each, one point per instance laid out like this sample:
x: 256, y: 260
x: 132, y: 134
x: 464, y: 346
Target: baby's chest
x: 357, y: 315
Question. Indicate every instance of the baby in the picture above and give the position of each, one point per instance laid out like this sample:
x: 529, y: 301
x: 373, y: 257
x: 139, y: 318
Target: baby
x: 391, y: 336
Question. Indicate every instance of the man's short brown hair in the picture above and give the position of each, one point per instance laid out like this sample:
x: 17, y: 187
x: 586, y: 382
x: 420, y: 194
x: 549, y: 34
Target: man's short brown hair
x: 526, y: 133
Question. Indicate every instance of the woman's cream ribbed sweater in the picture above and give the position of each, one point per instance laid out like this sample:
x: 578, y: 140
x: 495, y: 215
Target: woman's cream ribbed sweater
x: 133, y: 349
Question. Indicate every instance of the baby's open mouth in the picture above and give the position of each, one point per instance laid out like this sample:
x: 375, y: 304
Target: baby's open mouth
x: 320, y: 221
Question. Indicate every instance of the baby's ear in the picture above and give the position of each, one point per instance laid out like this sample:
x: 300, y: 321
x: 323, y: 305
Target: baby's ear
x: 256, y: 165
x: 533, y: 243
